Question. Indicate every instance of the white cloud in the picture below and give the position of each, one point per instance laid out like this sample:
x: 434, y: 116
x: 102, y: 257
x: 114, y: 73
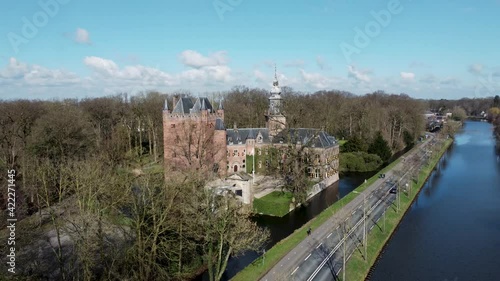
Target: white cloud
x: 219, y: 73
x: 317, y: 80
x: 196, y: 60
x: 20, y: 79
x: 476, y: 68
x: 82, y: 36
x: 358, y: 75
x: 19, y: 73
x: 407, y: 76
x: 108, y: 69
x: 322, y: 64
x: 101, y: 65
x: 260, y: 76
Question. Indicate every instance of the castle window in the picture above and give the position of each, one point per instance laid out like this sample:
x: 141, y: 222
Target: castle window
x: 172, y: 126
x: 316, y: 174
x: 174, y: 154
x: 260, y: 164
x: 235, y: 152
x: 260, y: 151
x: 243, y: 160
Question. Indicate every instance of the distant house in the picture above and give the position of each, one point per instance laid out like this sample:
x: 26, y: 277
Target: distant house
x: 429, y: 115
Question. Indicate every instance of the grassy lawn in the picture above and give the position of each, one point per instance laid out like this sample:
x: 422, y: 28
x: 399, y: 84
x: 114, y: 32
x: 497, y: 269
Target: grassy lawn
x: 258, y: 268
x: 357, y: 267
x: 342, y: 142
x: 275, y: 203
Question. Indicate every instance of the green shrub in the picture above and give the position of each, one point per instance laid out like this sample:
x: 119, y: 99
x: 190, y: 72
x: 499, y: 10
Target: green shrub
x: 359, y: 162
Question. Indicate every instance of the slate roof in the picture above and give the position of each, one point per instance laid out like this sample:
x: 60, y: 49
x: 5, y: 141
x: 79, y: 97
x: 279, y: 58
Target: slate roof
x: 202, y: 103
x: 186, y: 106
x: 311, y: 137
x: 183, y: 106
x: 237, y: 135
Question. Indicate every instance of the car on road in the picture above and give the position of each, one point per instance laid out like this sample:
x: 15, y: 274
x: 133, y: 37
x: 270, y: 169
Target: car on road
x: 393, y: 190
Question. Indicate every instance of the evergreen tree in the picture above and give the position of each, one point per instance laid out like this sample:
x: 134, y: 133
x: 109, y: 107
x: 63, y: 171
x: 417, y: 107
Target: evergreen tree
x: 353, y: 144
x: 380, y: 147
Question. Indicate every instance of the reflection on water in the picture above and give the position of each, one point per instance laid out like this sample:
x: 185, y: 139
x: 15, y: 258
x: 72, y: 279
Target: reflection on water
x: 452, y: 231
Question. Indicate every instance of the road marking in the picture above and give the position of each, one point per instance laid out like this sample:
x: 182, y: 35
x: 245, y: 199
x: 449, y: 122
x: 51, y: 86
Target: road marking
x: 353, y: 212
x: 334, y: 250
x: 372, y: 227
x: 295, y: 270
x: 319, y: 245
x: 308, y: 257
x: 329, y: 235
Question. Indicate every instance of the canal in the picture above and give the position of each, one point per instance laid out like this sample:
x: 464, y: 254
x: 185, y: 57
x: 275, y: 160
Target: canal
x: 452, y: 230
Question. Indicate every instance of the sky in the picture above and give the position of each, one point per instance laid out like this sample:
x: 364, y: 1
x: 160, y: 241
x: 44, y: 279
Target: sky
x: 76, y: 49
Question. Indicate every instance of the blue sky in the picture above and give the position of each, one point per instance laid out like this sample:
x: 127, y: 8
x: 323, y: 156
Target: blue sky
x: 75, y: 48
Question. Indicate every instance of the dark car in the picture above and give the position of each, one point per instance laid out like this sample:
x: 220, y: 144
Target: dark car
x: 393, y: 190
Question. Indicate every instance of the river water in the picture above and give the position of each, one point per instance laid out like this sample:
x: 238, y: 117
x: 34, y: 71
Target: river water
x: 452, y: 230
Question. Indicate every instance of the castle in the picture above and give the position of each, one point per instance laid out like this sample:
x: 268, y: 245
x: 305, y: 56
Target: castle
x: 195, y: 136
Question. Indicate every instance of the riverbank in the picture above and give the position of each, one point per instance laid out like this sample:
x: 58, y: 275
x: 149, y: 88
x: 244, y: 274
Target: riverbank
x: 357, y: 268
x: 260, y: 266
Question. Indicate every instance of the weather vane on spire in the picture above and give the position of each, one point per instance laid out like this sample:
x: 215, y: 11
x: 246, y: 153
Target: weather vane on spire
x: 275, y: 83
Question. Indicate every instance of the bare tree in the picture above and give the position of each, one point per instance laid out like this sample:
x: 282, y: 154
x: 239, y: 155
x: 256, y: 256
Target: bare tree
x: 225, y: 229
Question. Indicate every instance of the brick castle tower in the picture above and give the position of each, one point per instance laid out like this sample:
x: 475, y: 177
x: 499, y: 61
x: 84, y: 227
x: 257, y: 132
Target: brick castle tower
x: 194, y: 136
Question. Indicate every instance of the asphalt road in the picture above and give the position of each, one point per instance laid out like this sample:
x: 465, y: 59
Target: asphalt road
x: 326, y: 258
x: 320, y: 255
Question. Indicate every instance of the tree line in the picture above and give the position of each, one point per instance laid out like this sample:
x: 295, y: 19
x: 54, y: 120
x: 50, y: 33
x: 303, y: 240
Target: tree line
x: 91, y: 170
x: 89, y: 175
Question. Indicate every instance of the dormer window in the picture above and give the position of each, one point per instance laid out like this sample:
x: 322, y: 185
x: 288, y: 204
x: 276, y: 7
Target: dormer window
x: 259, y: 139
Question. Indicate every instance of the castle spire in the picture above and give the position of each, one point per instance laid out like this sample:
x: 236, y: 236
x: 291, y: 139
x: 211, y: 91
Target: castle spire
x: 276, y: 87
x: 275, y: 82
x: 166, y: 105
x: 221, y: 106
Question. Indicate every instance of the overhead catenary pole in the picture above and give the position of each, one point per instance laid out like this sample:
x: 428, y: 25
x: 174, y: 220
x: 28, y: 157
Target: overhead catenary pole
x: 364, y: 222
